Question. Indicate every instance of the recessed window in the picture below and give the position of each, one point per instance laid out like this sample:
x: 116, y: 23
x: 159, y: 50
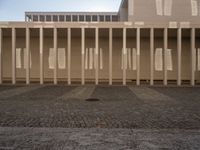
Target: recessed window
x: 48, y: 18
x: 194, y: 7
x: 101, y: 18
x: 51, y: 58
x: 75, y: 18
x: 81, y: 18
x: 25, y: 59
x: 164, y: 7
x: 68, y: 18
x: 94, y: 18
x: 41, y: 18
x: 169, y: 60
x: 114, y: 18
x: 88, y: 18
x: 198, y: 59
x: 159, y: 59
x: 108, y: 18
x: 131, y: 61
x: 61, y: 58
x: 55, y: 18
x: 18, y: 58
x: 61, y: 18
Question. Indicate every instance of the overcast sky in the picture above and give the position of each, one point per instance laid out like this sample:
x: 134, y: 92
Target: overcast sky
x: 13, y: 10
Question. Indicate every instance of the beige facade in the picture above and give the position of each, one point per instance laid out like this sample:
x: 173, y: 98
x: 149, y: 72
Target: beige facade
x: 117, y: 48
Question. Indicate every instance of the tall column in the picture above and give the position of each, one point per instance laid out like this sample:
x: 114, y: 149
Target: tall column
x: 84, y: 18
x: 69, y: 54
x: 110, y: 55
x: 138, y: 56
x: 56, y: 55
x: 124, y: 56
x: 28, y: 56
x: 193, y: 56
x: 45, y: 18
x: 82, y: 56
x: 41, y: 57
x: 152, y: 56
x: 179, y: 48
x: 13, y: 56
x: 1, y: 39
x: 96, y: 56
x: 165, y: 57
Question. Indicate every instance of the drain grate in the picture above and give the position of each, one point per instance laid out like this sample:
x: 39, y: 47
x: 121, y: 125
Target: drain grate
x: 92, y: 99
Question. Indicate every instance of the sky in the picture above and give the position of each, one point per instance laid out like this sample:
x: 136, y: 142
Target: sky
x: 13, y: 10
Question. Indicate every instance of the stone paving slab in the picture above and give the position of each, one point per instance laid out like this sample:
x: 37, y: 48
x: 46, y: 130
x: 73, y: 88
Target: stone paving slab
x: 145, y: 93
x: 17, y: 91
x: 82, y: 92
x: 101, y: 139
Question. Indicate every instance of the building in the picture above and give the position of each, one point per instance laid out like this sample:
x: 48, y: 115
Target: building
x: 145, y: 42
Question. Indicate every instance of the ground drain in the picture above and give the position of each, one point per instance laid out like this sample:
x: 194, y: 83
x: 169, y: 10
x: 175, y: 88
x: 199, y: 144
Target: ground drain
x: 92, y: 99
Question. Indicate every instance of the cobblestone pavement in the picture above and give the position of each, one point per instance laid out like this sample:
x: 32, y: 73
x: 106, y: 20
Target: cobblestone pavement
x: 98, y: 139
x: 147, y: 117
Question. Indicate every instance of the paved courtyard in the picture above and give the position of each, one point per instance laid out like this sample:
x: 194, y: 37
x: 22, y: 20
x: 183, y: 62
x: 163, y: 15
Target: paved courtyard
x: 125, y: 117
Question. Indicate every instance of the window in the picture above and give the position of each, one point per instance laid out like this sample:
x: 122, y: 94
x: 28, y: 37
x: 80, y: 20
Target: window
x: 169, y: 59
x: 18, y: 58
x: 89, y: 58
x: 61, y: 58
x: 25, y: 59
x: 131, y: 61
x: 164, y: 7
x: 51, y: 58
x: 101, y: 58
x: 159, y: 59
x: 198, y: 59
x: 194, y: 7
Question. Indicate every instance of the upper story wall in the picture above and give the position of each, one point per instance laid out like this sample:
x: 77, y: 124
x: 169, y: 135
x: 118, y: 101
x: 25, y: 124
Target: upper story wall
x: 162, y: 10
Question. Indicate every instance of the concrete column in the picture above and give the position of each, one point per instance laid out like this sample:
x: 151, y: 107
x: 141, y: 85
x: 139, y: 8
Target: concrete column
x: 96, y: 56
x: 71, y: 18
x: 179, y: 48
x: 52, y: 18
x: 138, y: 56
x: 32, y: 18
x: 110, y: 55
x: 41, y: 57
x: 165, y: 59
x: 78, y: 18
x: 82, y: 56
x: 124, y: 56
x: 28, y: 56
x: 56, y: 54
x: 69, y: 55
x: 45, y: 18
x: 152, y: 56
x: 193, y: 56
x: 64, y: 18
x: 84, y: 18
x: 13, y: 56
x: 1, y: 39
